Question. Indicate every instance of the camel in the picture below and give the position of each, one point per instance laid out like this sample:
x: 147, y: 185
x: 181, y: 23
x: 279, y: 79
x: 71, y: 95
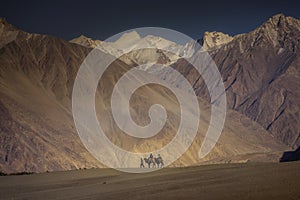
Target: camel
x: 149, y: 161
x: 159, y: 161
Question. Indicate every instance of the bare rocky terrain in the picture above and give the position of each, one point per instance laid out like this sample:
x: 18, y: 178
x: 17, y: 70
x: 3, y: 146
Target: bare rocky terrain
x: 260, y: 70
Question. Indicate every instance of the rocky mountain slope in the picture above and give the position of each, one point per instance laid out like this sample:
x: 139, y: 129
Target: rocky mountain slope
x: 36, y: 125
x: 37, y: 131
x: 260, y: 70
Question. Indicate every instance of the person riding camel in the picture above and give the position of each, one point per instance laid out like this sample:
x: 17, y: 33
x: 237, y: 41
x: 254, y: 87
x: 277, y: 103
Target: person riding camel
x: 159, y: 161
x: 158, y: 156
x: 151, y: 156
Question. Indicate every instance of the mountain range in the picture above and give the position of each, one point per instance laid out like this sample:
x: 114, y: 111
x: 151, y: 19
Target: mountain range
x: 260, y: 70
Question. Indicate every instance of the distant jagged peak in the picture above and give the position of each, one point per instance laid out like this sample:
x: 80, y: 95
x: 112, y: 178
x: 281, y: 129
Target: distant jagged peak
x: 8, y: 32
x: 86, y: 41
x: 4, y: 25
x: 280, y: 30
x: 280, y: 22
x: 127, y: 39
x: 212, y: 40
x: 281, y: 18
x: 82, y: 37
x: 132, y: 35
x: 3, y: 21
x: 277, y: 18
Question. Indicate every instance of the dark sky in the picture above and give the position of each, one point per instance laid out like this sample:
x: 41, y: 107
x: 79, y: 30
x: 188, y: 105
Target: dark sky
x: 101, y: 19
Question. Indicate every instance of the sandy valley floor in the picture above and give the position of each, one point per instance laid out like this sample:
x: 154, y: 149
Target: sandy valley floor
x: 227, y: 181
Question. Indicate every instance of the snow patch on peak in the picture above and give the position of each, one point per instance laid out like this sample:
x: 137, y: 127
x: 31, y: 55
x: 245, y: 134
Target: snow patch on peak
x: 127, y: 39
x: 133, y: 35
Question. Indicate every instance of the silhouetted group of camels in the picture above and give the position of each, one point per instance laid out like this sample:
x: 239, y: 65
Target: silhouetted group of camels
x: 152, y: 161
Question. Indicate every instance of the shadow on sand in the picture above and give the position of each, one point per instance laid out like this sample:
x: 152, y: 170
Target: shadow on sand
x: 290, y: 155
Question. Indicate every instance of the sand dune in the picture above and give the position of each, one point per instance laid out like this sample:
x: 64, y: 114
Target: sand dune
x: 225, y: 181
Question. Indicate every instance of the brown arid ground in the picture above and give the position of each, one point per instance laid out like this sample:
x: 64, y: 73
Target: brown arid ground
x: 224, y: 181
